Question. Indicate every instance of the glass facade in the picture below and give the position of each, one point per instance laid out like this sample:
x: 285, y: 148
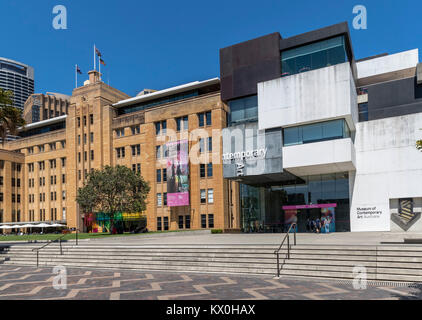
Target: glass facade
x: 313, y: 56
x: 262, y: 208
x: 322, y: 131
x: 243, y: 110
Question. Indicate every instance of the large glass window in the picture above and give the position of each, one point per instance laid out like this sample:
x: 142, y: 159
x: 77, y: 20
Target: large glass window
x: 313, y: 56
x: 243, y: 110
x: 329, y: 130
x: 363, y: 112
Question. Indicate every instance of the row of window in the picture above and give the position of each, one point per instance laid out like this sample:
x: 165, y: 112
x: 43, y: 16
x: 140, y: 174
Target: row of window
x: 184, y: 222
x: 86, y: 156
x: 91, y: 120
x: 16, y: 182
x: 182, y: 124
x: 53, y: 197
x: 121, y: 151
x: 91, y: 138
x: 41, y: 165
x: 121, y: 131
x: 322, y: 131
x: 53, y: 214
x: 52, y: 147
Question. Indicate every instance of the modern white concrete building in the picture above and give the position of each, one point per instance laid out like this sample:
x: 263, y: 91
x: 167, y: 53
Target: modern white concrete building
x: 347, y: 133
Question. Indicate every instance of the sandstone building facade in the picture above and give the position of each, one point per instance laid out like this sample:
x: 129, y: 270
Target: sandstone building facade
x: 41, y: 172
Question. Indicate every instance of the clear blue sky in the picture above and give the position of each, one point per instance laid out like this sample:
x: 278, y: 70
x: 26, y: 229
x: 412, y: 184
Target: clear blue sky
x: 158, y: 44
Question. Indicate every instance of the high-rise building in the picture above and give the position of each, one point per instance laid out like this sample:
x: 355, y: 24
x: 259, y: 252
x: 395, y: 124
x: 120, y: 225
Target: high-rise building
x: 17, y: 77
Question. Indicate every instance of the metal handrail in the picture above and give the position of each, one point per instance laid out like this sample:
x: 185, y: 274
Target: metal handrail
x: 47, y: 244
x: 277, y: 252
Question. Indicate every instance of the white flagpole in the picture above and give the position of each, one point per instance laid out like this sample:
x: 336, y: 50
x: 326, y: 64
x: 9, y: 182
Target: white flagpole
x: 99, y: 68
x: 95, y: 66
x: 76, y: 76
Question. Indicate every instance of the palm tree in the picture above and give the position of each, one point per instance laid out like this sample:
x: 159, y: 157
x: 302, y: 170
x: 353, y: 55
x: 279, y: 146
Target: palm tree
x: 10, y: 117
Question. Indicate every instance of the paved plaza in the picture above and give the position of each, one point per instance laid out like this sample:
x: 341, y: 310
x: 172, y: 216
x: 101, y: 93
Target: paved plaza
x: 31, y: 283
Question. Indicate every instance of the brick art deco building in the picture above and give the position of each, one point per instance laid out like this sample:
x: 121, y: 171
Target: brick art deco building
x: 42, y: 171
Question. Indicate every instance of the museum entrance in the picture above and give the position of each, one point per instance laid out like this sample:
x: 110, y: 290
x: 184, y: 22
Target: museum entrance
x: 321, y: 201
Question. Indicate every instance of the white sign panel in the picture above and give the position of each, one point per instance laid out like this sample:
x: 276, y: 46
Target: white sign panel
x: 370, y: 217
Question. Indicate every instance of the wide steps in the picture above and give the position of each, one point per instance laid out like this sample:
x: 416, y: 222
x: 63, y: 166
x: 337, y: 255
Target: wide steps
x: 389, y: 263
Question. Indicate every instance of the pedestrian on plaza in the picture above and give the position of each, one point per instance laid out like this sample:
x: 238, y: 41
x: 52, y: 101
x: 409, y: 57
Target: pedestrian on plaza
x: 318, y: 225
x: 308, y: 225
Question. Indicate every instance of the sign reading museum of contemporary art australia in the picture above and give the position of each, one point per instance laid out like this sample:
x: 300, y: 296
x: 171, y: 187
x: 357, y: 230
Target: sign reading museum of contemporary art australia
x: 370, y: 217
x: 178, y: 174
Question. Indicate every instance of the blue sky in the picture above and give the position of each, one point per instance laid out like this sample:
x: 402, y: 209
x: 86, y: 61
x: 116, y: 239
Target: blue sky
x: 159, y: 44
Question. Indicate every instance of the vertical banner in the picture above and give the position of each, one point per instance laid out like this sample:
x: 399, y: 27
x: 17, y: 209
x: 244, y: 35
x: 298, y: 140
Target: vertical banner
x: 178, y: 174
x: 328, y: 221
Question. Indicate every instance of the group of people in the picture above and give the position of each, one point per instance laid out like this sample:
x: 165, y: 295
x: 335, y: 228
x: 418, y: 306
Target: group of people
x: 317, y: 225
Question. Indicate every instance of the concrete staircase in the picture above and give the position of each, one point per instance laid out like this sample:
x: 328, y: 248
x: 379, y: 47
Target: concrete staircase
x: 386, y: 262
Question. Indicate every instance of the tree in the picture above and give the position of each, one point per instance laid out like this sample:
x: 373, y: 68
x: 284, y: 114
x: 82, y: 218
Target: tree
x: 10, y: 117
x: 113, y: 189
x: 419, y: 144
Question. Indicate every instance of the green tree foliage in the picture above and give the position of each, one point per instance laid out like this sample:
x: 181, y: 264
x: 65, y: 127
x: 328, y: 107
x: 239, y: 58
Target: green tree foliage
x: 112, y: 190
x: 419, y: 145
x: 10, y: 117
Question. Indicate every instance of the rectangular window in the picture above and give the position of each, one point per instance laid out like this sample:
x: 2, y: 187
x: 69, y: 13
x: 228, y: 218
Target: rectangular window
x: 187, y: 222
x: 164, y: 175
x: 210, y: 221
x: 165, y: 198
x: 208, y: 117
x: 91, y: 119
x: 203, y: 196
x: 158, y: 152
x: 161, y: 127
x: 209, y: 169
x: 178, y: 124
x: 202, y: 170
x: 159, y: 200
x: 63, y: 162
x: 136, y: 130
x: 201, y: 119
x: 209, y: 144
x: 210, y: 195
x: 201, y: 145
x: 158, y: 175
x: 136, y: 150
x: 180, y: 222
x: 92, y: 155
x: 166, y: 223
x: 313, y: 56
x: 363, y: 112
x: 91, y: 137
x: 159, y: 223
x: 243, y: 110
x: 203, y: 221
x: 329, y: 130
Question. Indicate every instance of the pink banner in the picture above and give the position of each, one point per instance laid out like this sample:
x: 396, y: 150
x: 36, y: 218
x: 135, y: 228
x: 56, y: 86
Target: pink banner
x: 178, y: 174
x: 310, y: 206
x: 178, y: 199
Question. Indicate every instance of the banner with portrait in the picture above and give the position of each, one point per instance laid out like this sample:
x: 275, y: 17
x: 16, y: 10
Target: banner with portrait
x: 178, y: 173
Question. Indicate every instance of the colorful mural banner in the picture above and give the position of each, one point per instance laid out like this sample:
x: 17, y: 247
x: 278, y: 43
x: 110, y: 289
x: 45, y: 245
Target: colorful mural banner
x: 328, y: 221
x: 178, y: 174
